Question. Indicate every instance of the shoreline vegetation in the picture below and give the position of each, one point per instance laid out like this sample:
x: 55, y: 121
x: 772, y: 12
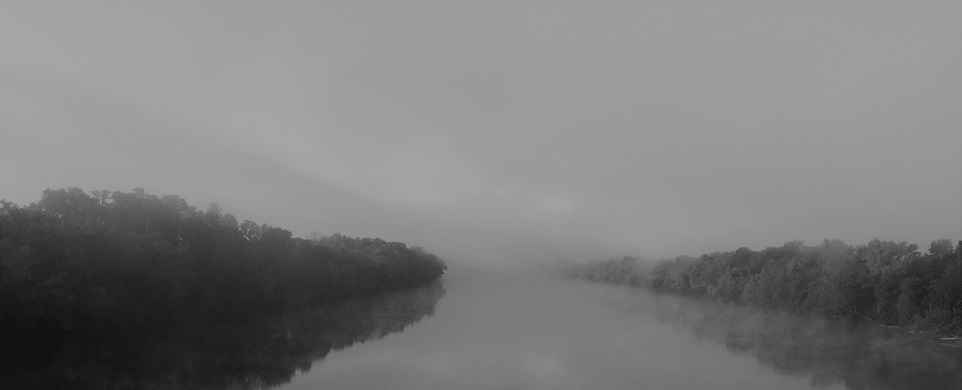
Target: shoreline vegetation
x: 81, y: 269
x: 887, y: 283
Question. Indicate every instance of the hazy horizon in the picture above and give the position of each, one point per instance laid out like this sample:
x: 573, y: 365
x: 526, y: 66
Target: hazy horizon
x: 498, y: 131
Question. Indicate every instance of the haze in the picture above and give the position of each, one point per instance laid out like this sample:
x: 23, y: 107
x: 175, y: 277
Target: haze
x: 495, y: 131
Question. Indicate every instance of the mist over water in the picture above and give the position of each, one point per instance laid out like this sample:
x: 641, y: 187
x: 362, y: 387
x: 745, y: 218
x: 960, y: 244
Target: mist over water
x: 511, y: 329
x: 496, y: 135
x: 857, y: 354
x: 508, y: 331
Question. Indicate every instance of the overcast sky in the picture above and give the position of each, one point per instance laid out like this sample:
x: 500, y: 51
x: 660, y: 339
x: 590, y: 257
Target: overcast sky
x: 636, y: 127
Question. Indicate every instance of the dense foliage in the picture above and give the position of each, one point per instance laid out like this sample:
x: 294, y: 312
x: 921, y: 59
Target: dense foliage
x: 889, y: 282
x: 85, y: 266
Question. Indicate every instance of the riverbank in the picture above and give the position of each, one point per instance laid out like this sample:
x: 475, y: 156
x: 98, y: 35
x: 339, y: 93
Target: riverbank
x: 92, y: 267
x: 888, y: 283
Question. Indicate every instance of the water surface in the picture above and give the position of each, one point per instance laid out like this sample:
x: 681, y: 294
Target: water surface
x: 488, y: 330
x: 260, y: 352
x: 506, y: 331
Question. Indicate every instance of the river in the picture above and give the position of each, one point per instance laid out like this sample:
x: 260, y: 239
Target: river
x: 524, y: 331
x: 480, y: 329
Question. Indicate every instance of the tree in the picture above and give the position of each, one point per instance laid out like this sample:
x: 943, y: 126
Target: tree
x: 941, y: 247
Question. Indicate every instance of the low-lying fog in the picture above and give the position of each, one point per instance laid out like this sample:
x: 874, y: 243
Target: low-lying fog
x: 494, y: 330
x: 503, y: 134
x: 482, y: 329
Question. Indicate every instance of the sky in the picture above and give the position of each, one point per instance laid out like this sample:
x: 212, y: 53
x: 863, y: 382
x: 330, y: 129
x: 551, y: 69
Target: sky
x: 496, y: 131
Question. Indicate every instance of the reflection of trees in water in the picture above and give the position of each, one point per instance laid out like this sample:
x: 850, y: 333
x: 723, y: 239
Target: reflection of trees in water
x: 256, y: 354
x: 829, y: 352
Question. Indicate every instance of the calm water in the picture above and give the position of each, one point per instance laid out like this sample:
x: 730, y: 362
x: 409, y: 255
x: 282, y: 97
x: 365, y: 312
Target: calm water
x: 530, y: 332
x: 484, y: 330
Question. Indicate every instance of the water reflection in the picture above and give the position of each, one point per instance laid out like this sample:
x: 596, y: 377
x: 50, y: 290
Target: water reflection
x: 256, y: 354
x: 828, y: 352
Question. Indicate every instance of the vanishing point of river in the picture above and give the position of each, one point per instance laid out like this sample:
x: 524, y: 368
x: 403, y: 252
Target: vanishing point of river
x: 488, y: 330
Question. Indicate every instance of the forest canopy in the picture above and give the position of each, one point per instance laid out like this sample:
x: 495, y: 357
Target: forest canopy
x: 78, y: 265
x: 888, y: 282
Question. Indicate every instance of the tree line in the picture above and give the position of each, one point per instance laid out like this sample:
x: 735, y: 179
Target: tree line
x: 889, y: 282
x: 79, y: 266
